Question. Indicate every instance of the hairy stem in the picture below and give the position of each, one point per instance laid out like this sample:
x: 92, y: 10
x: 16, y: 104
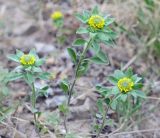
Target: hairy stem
x: 103, y: 122
x: 33, y: 98
x: 76, y: 71
x: 65, y: 122
x: 70, y: 93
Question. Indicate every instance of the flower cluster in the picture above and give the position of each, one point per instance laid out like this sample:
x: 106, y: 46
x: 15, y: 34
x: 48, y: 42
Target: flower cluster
x: 29, y: 66
x: 125, y: 84
x: 97, y: 26
x: 56, y: 15
x: 96, y: 22
x: 57, y: 18
x: 27, y: 59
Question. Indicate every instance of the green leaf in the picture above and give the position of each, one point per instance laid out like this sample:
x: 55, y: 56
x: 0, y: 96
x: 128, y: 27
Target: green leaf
x: 101, y: 88
x: 135, y: 78
x: 64, y: 85
x: 123, y: 97
x: 36, y: 69
x: 79, y: 42
x: 134, y: 94
x: 103, y: 36
x: 30, y: 77
x: 103, y: 57
x: 58, y: 23
x: 138, y: 86
x: 100, y: 58
x: 83, y: 68
x: 107, y: 101
x: 14, y: 76
x: 98, y: 115
x: 119, y: 74
x: 150, y: 3
x: 114, y: 104
x: 113, y: 80
x: 44, y: 76
x: 82, y: 30
x: 97, y: 60
x: 4, y: 90
x: 52, y: 118
x: 138, y: 93
x: 6, y: 113
x: 81, y: 18
x: 63, y: 108
x: 39, y: 62
x: 13, y: 58
x: 109, y: 21
x: 45, y: 88
x: 33, y: 52
x: 95, y: 47
x: 70, y: 135
x: 109, y: 43
x: 72, y: 54
x: 110, y: 122
x: 95, y: 10
x: 86, y: 14
x: 104, y: 91
x: 129, y: 72
x: 34, y: 110
x: 115, y: 90
x: 100, y: 106
x: 19, y: 53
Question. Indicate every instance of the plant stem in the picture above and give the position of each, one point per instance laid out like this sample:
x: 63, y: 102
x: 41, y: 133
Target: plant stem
x: 76, y: 71
x: 65, y: 123
x: 70, y: 93
x: 103, y: 122
x: 34, y: 107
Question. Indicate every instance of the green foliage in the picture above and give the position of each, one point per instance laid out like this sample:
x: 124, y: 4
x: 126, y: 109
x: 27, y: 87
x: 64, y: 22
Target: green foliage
x: 64, y: 86
x: 82, y: 30
x: 149, y: 26
x: 125, y: 101
x: 63, y: 108
x: 104, y: 35
x: 100, y: 106
x: 53, y: 119
x: 5, y: 111
x: 3, y: 83
x: 97, y: 35
x: 58, y: 23
x: 150, y: 4
x: 100, y: 58
x: 72, y: 54
x: 27, y: 72
x: 71, y: 135
x: 117, y: 96
x: 83, y: 68
x: 79, y: 42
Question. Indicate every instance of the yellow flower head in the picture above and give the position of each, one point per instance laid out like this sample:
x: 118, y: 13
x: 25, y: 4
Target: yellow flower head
x: 125, y: 84
x: 96, y: 22
x: 56, y: 15
x: 27, y: 59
